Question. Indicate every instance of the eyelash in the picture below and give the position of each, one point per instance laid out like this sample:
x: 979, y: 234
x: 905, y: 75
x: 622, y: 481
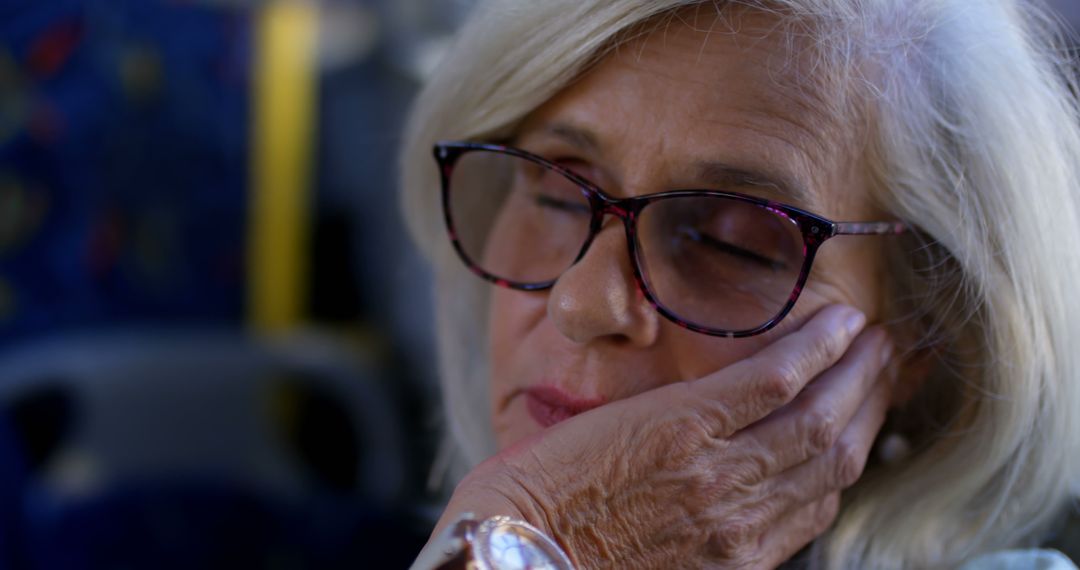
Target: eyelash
x: 734, y: 250
x: 564, y: 206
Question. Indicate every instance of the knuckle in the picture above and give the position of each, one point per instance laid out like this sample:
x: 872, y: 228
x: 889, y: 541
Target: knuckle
x: 707, y: 485
x: 710, y: 419
x: 760, y: 464
x: 717, y: 487
x: 779, y: 383
x: 824, y: 349
x: 700, y: 416
x: 820, y: 430
x: 734, y: 539
x: 850, y: 461
x: 690, y: 426
x: 697, y: 480
x: 695, y: 461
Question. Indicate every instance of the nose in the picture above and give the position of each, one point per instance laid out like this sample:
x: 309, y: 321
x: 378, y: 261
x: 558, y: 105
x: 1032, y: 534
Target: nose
x: 598, y: 297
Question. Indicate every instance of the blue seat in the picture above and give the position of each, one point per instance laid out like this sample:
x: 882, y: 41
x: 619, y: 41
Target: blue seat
x: 13, y: 476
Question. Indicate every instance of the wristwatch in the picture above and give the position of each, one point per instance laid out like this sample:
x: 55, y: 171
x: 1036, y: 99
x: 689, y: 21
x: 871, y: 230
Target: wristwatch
x: 496, y: 543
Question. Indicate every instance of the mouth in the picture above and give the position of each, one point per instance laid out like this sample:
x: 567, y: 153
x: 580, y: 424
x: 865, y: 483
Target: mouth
x: 549, y: 405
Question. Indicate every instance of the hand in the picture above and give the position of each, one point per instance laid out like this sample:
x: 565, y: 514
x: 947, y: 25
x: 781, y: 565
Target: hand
x: 739, y: 469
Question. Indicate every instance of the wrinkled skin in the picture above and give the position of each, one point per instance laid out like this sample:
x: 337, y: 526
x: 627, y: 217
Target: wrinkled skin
x: 706, y: 452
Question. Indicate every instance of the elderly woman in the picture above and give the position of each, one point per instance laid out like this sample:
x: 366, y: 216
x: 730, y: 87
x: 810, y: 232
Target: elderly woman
x: 710, y: 264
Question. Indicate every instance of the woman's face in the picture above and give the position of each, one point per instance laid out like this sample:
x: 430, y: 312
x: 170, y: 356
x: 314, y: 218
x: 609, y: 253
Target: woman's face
x: 669, y: 111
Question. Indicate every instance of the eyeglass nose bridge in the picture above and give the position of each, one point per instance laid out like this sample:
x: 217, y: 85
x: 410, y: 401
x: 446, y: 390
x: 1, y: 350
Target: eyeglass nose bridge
x: 623, y: 209
x: 626, y: 210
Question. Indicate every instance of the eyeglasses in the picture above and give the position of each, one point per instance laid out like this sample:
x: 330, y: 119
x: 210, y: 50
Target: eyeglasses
x: 719, y: 263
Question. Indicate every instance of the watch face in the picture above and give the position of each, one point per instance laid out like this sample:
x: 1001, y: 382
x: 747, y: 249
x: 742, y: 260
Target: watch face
x: 505, y: 544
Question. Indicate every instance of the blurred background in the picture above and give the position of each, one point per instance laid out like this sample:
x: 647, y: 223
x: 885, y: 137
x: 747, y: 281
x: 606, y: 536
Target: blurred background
x: 214, y: 333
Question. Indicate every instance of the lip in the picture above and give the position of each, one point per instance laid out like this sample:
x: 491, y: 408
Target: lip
x: 549, y: 405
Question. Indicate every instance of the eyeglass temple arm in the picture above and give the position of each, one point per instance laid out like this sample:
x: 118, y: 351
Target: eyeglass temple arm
x: 869, y: 228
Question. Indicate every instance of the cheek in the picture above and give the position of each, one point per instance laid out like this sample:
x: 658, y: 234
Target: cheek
x: 848, y: 270
x: 513, y: 315
x: 698, y: 358
x: 849, y: 274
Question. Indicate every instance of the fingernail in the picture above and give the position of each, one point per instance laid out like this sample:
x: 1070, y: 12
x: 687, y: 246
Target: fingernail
x: 854, y: 322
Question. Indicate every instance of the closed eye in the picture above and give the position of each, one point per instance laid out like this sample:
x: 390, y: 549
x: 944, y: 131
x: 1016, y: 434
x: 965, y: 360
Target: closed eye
x: 732, y: 249
x: 563, y: 205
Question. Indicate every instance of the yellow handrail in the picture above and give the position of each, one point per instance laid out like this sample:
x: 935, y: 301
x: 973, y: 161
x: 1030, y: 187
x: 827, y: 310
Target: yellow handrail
x: 283, y: 95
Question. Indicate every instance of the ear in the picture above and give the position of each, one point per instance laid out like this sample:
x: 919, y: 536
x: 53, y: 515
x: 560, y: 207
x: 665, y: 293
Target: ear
x: 911, y: 370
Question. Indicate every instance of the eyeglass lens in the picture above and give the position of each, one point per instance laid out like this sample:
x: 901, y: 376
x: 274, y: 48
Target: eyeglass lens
x: 720, y: 263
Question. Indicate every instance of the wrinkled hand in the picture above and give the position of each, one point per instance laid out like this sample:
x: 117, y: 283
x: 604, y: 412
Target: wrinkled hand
x: 739, y: 469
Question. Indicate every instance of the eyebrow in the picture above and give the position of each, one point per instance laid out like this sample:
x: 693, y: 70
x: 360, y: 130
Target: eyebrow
x: 713, y: 173
x: 723, y: 175
x: 578, y: 137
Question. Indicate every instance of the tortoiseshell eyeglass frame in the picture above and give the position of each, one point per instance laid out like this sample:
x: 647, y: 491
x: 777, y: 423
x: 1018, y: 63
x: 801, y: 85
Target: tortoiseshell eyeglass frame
x: 815, y: 229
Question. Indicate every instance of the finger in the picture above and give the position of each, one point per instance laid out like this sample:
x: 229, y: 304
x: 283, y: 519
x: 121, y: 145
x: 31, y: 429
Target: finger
x: 811, y: 424
x: 841, y: 467
x: 793, y: 532
x: 797, y: 502
x: 752, y: 388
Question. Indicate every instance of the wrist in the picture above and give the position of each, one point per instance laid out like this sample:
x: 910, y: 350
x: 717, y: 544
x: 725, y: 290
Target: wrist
x: 500, y: 487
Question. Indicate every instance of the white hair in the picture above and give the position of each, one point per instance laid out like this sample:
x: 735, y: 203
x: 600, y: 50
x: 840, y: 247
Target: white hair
x: 973, y: 138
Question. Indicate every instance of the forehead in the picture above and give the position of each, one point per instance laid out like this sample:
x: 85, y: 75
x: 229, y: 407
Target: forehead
x: 701, y: 87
